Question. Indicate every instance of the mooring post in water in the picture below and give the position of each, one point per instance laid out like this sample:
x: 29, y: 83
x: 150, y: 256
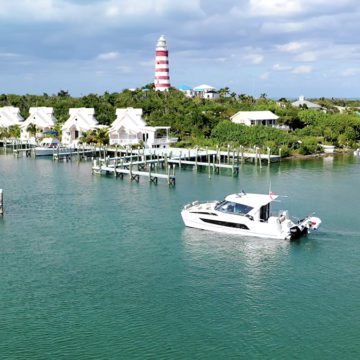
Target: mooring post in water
x: 115, y: 165
x: 1, y: 202
x: 196, y: 158
x: 209, y: 168
x: 258, y: 155
x: 268, y: 154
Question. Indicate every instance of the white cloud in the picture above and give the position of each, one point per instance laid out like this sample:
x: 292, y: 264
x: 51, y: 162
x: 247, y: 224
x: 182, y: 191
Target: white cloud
x: 40, y: 10
x: 292, y: 8
x: 350, y: 72
x: 125, y: 69
x: 112, y: 11
x: 291, y: 46
x: 221, y: 59
x: 98, y: 11
x: 278, y: 8
x: 279, y: 67
x: 282, y: 27
x: 126, y: 8
x: 147, y: 63
x: 308, y: 56
x: 7, y: 55
x: 303, y: 69
x: 264, y: 76
x: 112, y: 55
x: 254, y: 58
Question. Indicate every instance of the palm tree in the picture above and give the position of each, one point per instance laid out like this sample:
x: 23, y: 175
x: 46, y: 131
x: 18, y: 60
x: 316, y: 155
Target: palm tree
x: 32, y: 129
x: 4, y: 133
x: 14, y: 131
x: 63, y: 94
x: 224, y: 92
x: 102, y: 136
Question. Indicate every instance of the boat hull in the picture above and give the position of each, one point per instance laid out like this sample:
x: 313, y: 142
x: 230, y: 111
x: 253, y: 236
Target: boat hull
x: 245, y: 228
x: 44, y: 151
x: 246, y: 215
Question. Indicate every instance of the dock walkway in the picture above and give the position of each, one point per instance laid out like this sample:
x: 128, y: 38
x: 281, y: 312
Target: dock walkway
x: 134, y: 174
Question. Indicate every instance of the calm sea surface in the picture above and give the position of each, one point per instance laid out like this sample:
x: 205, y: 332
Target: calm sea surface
x: 100, y: 268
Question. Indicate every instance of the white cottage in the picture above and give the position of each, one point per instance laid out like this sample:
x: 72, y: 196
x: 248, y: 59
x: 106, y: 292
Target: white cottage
x: 9, y: 116
x: 42, y: 118
x: 80, y: 121
x: 306, y: 104
x: 129, y: 128
x: 206, y: 92
x: 250, y: 118
x: 187, y: 91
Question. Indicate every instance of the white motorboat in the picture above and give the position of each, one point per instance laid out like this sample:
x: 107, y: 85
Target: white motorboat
x: 48, y: 147
x: 247, y: 214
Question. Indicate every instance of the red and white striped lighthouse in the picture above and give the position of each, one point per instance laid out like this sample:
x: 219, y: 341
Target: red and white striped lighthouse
x: 162, y: 78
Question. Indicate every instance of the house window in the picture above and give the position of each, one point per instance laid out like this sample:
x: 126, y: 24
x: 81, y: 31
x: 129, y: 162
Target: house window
x: 76, y: 134
x: 252, y: 122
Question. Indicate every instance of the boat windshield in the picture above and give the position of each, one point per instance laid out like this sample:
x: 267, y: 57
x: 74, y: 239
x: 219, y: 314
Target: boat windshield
x: 230, y: 207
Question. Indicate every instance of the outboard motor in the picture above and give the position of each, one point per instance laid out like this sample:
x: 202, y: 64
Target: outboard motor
x: 297, y: 231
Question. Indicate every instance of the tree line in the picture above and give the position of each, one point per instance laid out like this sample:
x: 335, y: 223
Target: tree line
x: 202, y: 122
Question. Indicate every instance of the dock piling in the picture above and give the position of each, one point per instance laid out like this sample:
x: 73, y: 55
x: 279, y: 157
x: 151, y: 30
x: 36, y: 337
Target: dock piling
x: 1, y: 202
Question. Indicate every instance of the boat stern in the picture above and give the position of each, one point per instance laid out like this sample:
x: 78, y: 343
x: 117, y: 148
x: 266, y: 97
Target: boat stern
x: 314, y: 223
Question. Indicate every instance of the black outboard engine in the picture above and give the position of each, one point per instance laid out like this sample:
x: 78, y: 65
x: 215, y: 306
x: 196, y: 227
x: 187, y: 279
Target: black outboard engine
x: 296, y: 232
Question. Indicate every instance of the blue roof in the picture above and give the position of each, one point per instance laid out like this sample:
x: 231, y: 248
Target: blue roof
x: 184, y: 87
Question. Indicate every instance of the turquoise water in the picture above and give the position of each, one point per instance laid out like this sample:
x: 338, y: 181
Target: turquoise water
x: 100, y: 268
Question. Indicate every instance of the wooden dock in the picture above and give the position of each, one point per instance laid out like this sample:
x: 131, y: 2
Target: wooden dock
x: 141, y: 162
x: 62, y: 154
x: 146, y: 163
x: 211, y: 165
x: 134, y: 175
x: 19, y: 152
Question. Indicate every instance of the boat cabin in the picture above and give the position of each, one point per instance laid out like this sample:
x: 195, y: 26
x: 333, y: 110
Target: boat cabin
x: 254, y: 206
x: 50, y: 143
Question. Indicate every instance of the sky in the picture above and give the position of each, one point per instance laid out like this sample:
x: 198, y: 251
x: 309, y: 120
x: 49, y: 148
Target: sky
x: 283, y: 48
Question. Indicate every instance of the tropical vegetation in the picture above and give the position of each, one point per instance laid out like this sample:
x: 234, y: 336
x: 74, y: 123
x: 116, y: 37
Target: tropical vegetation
x: 200, y: 122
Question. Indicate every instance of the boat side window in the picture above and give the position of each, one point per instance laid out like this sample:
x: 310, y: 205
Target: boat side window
x: 225, y: 206
x: 219, y: 206
x: 233, y: 208
x: 241, y: 209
